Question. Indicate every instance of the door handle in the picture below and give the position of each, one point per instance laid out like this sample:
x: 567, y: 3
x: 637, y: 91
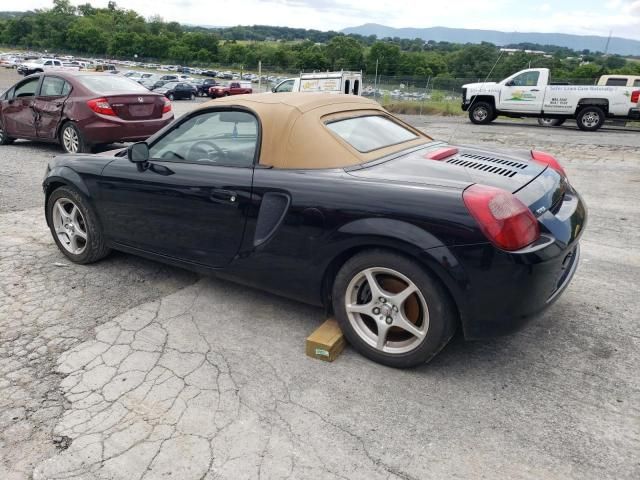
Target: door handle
x: 222, y: 195
x: 535, y: 90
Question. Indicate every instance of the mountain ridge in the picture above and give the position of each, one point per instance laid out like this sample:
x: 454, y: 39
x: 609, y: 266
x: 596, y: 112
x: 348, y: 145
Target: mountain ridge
x: 594, y: 43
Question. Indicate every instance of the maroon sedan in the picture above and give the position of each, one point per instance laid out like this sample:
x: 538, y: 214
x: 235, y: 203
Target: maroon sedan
x: 80, y: 110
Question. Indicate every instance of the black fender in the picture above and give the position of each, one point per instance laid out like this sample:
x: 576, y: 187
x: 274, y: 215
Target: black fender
x: 63, y: 176
x: 401, y: 237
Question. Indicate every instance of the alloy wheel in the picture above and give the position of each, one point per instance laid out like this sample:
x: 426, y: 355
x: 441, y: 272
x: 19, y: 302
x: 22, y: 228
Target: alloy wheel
x: 69, y: 225
x: 590, y: 119
x: 480, y: 114
x: 70, y: 140
x: 387, y: 310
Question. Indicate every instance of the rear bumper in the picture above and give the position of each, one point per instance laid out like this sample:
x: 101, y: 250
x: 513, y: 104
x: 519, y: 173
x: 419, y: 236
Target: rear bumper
x: 497, y: 292
x: 102, y: 129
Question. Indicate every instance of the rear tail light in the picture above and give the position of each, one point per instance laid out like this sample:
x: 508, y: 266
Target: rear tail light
x: 505, y: 220
x: 167, y: 106
x: 549, y: 161
x: 101, y: 106
x: 635, y: 96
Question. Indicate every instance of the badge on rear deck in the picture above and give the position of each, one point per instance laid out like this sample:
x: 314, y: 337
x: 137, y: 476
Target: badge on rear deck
x: 140, y: 99
x: 541, y: 210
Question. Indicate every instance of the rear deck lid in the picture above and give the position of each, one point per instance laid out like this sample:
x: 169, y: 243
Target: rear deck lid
x: 467, y: 166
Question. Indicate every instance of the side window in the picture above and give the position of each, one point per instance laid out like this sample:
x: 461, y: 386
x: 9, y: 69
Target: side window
x: 285, y: 86
x: 53, y: 87
x: 9, y: 94
x: 226, y: 138
x: 356, y: 87
x: 526, y: 79
x: 48, y: 63
x: 28, y: 88
x: 616, y: 82
x: 636, y: 83
x: 66, y: 89
x: 347, y: 86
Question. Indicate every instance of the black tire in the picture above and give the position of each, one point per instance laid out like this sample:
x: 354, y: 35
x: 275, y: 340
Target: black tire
x: 71, y: 128
x: 550, y: 122
x: 95, y: 246
x: 442, y: 317
x: 590, y: 118
x: 4, y: 139
x: 171, y: 97
x: 192, y: 97
x: 482, y: 113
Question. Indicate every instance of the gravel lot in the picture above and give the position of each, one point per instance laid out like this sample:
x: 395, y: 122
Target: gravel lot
x: 132, y: 369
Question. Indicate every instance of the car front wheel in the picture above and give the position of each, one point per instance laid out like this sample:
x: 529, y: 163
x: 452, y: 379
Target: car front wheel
x: 4, y: 138
x: 391, y: 310
x: 74, y: 226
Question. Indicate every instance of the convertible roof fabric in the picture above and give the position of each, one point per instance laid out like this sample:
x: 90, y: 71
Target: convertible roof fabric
x: 294, y: 134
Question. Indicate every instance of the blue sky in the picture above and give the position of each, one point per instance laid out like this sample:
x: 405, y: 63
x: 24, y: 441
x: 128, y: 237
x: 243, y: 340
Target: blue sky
x: 588, y: 17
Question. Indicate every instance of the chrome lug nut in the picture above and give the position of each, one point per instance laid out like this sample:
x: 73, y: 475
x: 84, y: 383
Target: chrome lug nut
x: 376, y: 311
x: 383, y: 300
x: 389, y: 320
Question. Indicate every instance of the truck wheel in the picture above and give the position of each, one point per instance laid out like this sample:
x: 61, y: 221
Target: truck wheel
x: 226, y: 94
x: 590, y: 118
x: 482, y: 113
x: 550, y: 122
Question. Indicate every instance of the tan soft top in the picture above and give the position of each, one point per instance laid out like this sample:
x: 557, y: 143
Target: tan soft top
x: 294, y: 134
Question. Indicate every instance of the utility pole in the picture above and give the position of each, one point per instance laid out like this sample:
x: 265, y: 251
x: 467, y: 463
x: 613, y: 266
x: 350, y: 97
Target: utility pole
x: 375, y: 82
x: 606, y: 48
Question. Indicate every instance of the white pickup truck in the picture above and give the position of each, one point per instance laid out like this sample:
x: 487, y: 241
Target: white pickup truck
x: 326, y: 82
x: 42, y: 64
x: 529, y: 93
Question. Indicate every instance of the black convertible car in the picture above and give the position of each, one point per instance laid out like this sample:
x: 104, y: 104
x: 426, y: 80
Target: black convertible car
x: 331, y: 200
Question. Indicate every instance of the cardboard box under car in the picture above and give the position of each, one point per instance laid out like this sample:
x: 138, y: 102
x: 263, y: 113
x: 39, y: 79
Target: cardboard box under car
x: 327, y: 342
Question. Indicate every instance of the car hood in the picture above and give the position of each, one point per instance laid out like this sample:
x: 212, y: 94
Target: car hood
x: 508, y: 170
x: 478, y: 85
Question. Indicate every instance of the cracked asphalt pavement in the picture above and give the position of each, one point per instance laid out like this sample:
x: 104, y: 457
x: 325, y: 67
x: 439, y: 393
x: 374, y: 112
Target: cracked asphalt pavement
x: 130, y: 369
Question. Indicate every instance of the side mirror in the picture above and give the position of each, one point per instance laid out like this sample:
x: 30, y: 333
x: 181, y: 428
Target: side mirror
x: 273, y: 89
x: 138, y: 152
x: 510, y: 83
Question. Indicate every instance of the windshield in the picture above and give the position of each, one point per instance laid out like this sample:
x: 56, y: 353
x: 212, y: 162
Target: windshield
x: 371, y: 132
x: 111, y: 84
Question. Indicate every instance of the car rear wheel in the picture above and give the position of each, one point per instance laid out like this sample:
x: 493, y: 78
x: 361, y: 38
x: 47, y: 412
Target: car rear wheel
x: 75, y: 227
x: 391, y: 310
x: 71, y: 139
x: 482, y: 113
x: 4, y: 138
x: 192, y: 97
x: 590, y: 118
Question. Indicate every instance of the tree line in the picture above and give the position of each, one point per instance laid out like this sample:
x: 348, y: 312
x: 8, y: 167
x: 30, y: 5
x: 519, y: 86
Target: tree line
x: 121, y: 33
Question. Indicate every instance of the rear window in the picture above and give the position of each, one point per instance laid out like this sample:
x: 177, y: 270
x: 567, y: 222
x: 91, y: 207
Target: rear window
x: 111, y: 84
x: 616, y: 82
x: 636, y: 83
x: 371, y: 132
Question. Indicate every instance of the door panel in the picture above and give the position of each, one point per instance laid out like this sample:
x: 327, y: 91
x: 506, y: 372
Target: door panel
x: 188, y: 211
x: 49, y: 104
x: 18, y: 112
x: 522, y: 93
